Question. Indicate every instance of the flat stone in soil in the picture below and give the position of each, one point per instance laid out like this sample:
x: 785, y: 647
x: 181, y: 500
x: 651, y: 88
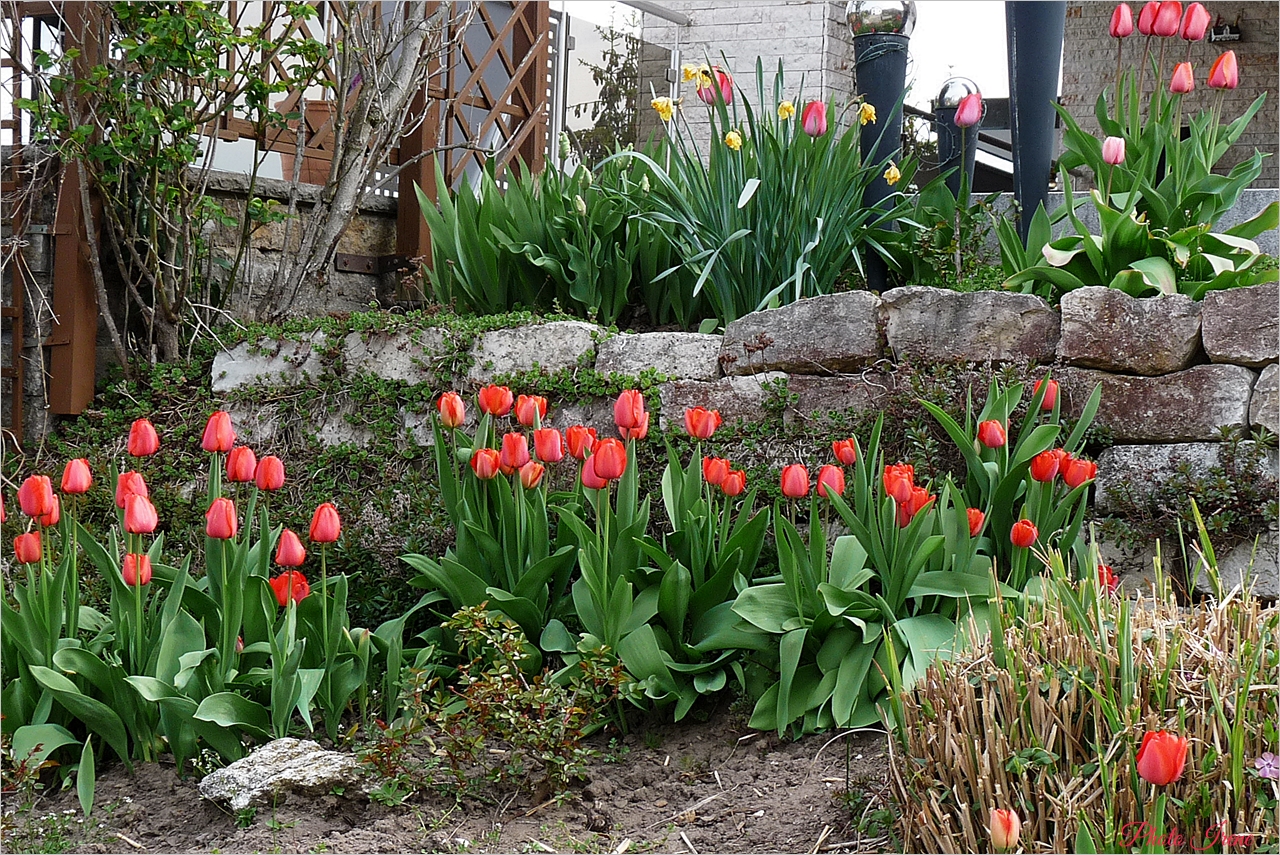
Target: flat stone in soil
x: 551, y: 347
x: 283, y: 362
x: 277, y: 768
x: 1136, y: 472
x: 1242, y: 325
x: 926, y: 324
x: 1189, y: 406
x: 817, y: 398
x: 687, y: 356
x: 737, y: 398
x: 1106, y: 328
x: 395, y: 356
x: 1264, y: 406
x: 818, y: 335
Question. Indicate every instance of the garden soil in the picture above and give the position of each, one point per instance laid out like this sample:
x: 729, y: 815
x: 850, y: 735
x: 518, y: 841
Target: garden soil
x: 710, y: 787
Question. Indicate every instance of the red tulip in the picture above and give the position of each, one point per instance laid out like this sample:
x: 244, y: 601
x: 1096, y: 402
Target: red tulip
x: 514, y: 454
x: 36, y: 496
x: 76, y: 477
x: 734, y: 483
x: 918, y: 501
x: 3, y: 515
x: 1224, y: 73
x: 701, y: 423
x: 581, y: 440
x: 495, y: 400
x: 27, y: 547
x: 1005, y: 827
x: 830, y: 480
x: 270, y: 473
x: 143, y: 439
x: 639, y: 432
x: 453, y: 412
x: 1023, y: 534
x: 290, y: 552
x: 140, y: 515
x: 549, y: 445
x: 1147, y: 18
x: 898, y: 480
x: 814, y: 118
x: 991, y: 433
x: 846, y: 451
x: 220, y: 520
x: 1194, y: 23
x: 976, y: 519
x: 290, y: 585
x: 1182, y: 81
x: 128, y: 484
x: 716, y: 82
x: 1050, y: 394
x: 1079, y: 472
x: 795, y: 481
x: 1113, y: 151
x: 136, y: 569
x: 531, y: 474
x: 51, y: 518
x: 714, y: 470
x: 485, y: 462
x: 1161, y: 757
x: 1107, y: 578
x: 610, y: 458
x: 1167, y: 18
x: 530, y: 408
x: 629, y: 413
x: 1044, y: 466
x: 218, y: 435
x: 325, y: 524
x: 969, y: 112
x: 1122, y: 21
x: 1064, y: 457
x: 242, y: 465
x: 590, y: 479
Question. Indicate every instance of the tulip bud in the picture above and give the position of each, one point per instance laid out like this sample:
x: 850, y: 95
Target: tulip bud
x: 35, y: 496
x: 52, y: 517
x: 976, y: 519
x: 590, y: 479
x: 915, y: 503
x: 814, y: 118
x: 714, y: 470
x: 969, y: 111
x: 76, y: 477
x: 846, y: 451
x: 1005, y: 829
x: 1107, y: 578
x: 453, y: 412
x: 26, y: 547
x: 127, y: 484
x: 514, y: 454
x: 1167, y: 19
x: 136, y: 570
x: 564, y: 145
x: 325, y: 524
x: 220, y: 519
x: 610, y: 458
x: 734, y: 483
x: 898, y: 481
x: 1044, y: 466
x: 713, y: 82
x: 290, y: 553
x: 1194, y: 23
x: 270, y: 473
x: 140, y: 515
x: 1182, y: 81
x: 629, y: 413
x: 1224, y: 73
x: 701, y: 423
x: 1161, y: 757
x: 143, y: 439
x: 290, y: 585
x: 1122, y: 21
x: 1079, y: 472
x: 531, y: 474
x: 485, y: 462
x: 242, y: 465
x: 218, y: 435
x: 830, y: 480
x: 581, y: 440
x: 548, y: 444
x: 1113, y: 151
x: 530, y: 408
x: 3, y: 515
x: 1023, y: 534
x: 1147, y: 18
x: 580, y: 205
x: 495, y: 400
x: 991, y: 433
x: 1050, y: 394
x: 795, y: 481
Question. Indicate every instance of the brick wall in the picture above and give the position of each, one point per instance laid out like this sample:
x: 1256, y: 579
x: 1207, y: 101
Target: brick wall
x: 1089, y: 64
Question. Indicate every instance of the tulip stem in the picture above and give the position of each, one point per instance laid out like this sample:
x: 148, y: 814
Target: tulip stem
x: 1119, y: 65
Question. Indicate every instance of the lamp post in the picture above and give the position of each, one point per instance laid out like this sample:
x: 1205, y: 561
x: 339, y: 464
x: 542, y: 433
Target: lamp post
x: 956, y: 146
x: 1033, y: 32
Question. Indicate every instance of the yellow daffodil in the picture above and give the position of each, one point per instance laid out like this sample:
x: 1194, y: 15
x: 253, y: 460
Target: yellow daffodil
x: 786, y: 110
x: 891, y: 175
x: 664, y: 107
x: 733, y: 140
x: 688, y: 72
x: 866, y: 113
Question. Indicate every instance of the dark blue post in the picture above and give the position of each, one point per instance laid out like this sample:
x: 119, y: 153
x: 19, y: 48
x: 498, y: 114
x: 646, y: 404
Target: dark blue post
x: 880, y: 61
x: 1034, y: 34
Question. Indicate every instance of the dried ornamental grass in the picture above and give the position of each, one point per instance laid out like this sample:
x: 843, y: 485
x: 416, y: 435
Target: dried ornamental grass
x: 1053, y: 734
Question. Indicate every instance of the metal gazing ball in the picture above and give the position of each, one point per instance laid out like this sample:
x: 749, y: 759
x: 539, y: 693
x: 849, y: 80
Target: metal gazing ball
x: 954, y: 91
x: 881, y: 16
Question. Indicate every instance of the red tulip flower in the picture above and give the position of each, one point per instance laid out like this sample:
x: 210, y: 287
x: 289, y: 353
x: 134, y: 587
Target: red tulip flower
x: 514, y: 454
x: 1195, y: 23
x: 991, y: 433
x: 795, y: 481
x: 128, y: 484
x: 76, y: 477
x: 918, y: 501
x: 1224, y: 73
x: 734, y: 483
x: 1147, y: 18
x: 326, y: 526
x: 290, y: 585
x: 1122, y: 22
x: 1023, y: 534
x: 453, y: 412
x: 242, y: 465
x: 495, y: 400
x: 639, y: 432
x: 830, y: 480
x: 220, y: 520
x: 136, y: 569
x: 969, y: 111
x: 218, y: 438
x: 140, y: 515
x: 51, y: 518
x: 898, y: 479
x: 27, y: 547
x: 1161, y: 757
x: 1044, y: 466
x: 846, y: 451
x: 270, y: 473
x: 814, y: 118
x: 580, y: 440
x: 714, y: 470
x: 1005, y: 828
x: 530, y: 408
x: 701, y: 423
x: 1182, y: 81
x: 290, y: 552
x: 1107, y: 578
x: 1050, y: 393
x: 485, y: 462
x: 531, y: 474
x: 590, y: 479
x: 35, y: 496
x: 143, y: 439
x: 717, y: 81
x: 976, y: 519
x: 629, y: 413
x: 549, y: 445
x: 1078, y: 472
x: 3, y: 515
x: 1168, y: 16
x: 610, y: 457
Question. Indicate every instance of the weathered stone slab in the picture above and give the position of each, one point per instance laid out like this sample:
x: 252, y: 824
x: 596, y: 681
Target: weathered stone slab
x: 596, y: 412
x: 406, y: 356
x: 553, y: 346
x: 1136, y: 472
x: 284, y: 362
x: 254, y: 424
x: 932, y: 324
x: 1135, y: 565
x: 1264, y: 406
x: 737, y: 398
x: 687, y: 356
x: 820, y: 335
x: 1247, y: 565
x: 1242, y: 325
x: 1189, y: 406
x: 1106, y: 328
x: 335, y: 429
x: 816, y: 398
x: 280, y: 767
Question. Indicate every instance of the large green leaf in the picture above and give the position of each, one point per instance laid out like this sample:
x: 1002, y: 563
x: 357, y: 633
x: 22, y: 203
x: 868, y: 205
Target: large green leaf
x: 766, y: 606
x: 227, y: 709
x: 96, y: 715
